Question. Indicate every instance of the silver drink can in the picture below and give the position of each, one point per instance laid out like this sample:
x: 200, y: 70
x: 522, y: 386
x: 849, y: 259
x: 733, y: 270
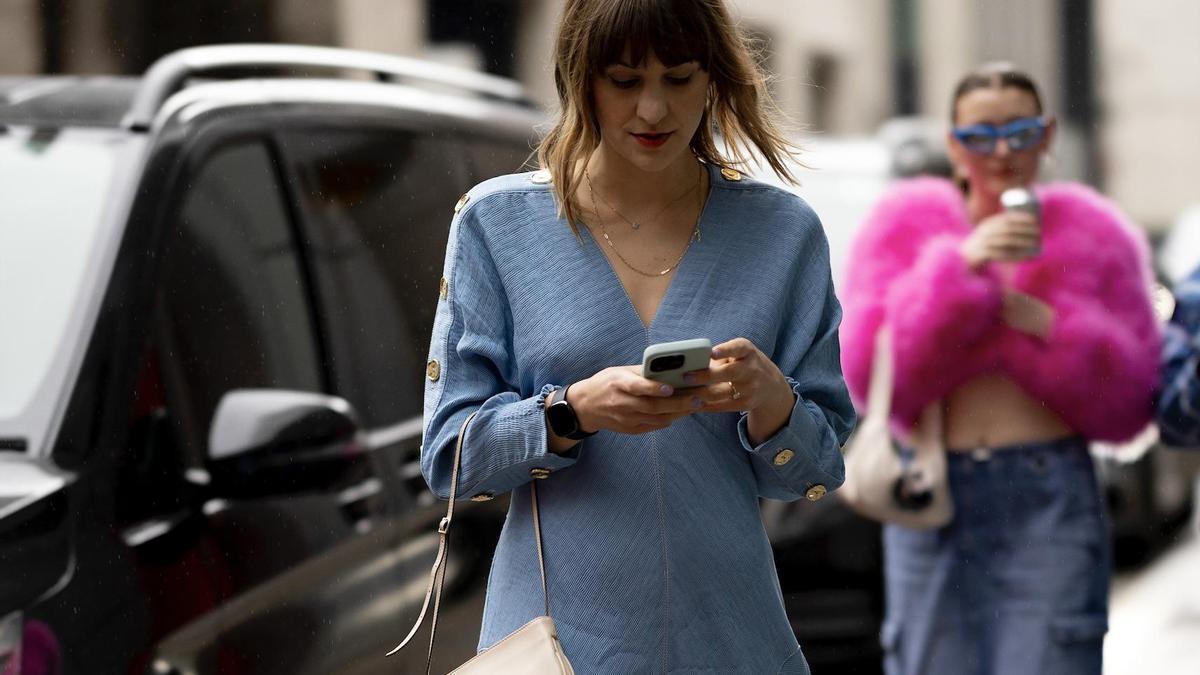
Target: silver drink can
x: 1023, y: 200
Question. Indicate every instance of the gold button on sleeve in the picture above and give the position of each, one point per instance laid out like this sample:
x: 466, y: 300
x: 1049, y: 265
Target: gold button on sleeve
x: 540, y: 474
x: 731, y: 174
x: 433, y: 370
x: 483, y: 497
x: 783, y: 457
x: 815, y: 493
x: 462, y: 201
x: 443, y: 288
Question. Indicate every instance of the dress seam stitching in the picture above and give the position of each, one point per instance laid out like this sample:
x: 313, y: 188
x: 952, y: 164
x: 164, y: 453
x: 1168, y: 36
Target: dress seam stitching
x: 666, y: 564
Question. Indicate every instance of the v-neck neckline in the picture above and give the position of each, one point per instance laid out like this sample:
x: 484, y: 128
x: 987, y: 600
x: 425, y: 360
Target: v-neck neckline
x: 680, y: 268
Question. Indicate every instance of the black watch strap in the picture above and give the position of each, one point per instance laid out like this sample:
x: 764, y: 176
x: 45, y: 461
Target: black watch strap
x: 563, y: 420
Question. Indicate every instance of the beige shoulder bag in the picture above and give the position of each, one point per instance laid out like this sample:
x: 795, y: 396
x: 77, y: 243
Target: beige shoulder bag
x: 532, y: 649
x: 882, y: 485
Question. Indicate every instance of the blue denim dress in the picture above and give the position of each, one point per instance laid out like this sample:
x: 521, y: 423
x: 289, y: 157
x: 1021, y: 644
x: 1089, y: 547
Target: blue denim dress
x: 1017, y: 583
x: 656, y: 555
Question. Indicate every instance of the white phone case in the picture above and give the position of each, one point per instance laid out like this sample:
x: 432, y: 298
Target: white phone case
x: 696, y: 354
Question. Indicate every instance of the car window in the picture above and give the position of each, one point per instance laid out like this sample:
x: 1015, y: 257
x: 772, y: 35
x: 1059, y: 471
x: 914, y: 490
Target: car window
x: 232, y: 307
x: 54, y: 187
x: 378, y: 205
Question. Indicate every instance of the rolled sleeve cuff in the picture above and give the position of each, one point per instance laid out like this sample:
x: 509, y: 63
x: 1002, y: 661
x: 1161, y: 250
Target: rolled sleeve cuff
x: 527, y: 459
x: 790, y: 452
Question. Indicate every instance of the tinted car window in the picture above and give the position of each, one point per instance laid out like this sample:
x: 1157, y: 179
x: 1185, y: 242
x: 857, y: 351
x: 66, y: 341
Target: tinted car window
x: 233, y: 306
x: 379, y: 206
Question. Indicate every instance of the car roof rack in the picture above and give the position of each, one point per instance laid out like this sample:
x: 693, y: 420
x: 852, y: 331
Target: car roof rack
x: 170, y: 73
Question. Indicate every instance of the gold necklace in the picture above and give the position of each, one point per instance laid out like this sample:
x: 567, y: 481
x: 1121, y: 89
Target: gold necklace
x: 694, y: 238
x: 636, y: 225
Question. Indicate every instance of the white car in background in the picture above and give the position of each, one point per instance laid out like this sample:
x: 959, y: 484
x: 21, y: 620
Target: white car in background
x: 1179, y: 252
x: 843, y: 176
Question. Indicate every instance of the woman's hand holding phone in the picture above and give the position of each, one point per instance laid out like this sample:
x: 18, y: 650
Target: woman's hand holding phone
x: 619, y: 399
x: 741, y: 377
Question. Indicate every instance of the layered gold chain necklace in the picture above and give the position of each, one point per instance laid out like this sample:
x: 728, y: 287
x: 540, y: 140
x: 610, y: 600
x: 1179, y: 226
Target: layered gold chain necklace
x: 632, y: 223
x: 604, y: 231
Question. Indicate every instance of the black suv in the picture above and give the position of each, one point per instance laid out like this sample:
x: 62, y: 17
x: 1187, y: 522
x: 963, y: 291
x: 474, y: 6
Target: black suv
x: 218, y: 282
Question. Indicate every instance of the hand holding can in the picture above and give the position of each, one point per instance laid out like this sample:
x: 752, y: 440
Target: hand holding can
x: 1024, y: 200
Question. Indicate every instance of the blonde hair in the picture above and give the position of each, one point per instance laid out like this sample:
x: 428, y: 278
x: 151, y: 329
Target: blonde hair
x: 594, y: 34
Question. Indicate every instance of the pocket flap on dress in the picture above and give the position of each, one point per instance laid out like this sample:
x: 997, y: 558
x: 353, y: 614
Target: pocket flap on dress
x: 1078, y: 627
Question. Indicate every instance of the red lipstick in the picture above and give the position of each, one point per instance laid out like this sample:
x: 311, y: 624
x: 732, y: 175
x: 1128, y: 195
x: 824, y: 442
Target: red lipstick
x: 652, y: 140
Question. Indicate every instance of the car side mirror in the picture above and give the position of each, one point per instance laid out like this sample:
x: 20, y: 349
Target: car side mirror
x: 274, y: 441
x: 35, y: 529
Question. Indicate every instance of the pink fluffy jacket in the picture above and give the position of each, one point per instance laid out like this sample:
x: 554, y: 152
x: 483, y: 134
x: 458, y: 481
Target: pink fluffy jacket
x: 1097, y: 370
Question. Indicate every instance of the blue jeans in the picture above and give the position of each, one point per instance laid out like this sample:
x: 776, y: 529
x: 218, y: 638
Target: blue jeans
x: 1017, y: 583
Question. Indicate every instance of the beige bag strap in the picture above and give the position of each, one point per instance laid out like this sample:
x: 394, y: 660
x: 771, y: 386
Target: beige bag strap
x: 537, y: 534
x: 929, y: 433
x: 879, y: 392
x: 437, y: 576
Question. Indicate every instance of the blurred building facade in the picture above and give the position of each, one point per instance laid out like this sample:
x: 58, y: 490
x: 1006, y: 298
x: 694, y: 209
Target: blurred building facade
x: 1125, y: 102
x: 1149, y: 65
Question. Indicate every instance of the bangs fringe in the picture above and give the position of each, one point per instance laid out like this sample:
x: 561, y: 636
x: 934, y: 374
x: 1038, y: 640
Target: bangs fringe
x: 671, y: 30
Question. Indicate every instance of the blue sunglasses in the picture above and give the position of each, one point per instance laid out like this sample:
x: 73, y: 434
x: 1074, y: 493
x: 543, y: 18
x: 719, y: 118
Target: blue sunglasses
x: 1019, y: 134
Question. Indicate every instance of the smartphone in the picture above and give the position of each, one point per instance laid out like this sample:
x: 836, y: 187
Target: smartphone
x: 666, y: 362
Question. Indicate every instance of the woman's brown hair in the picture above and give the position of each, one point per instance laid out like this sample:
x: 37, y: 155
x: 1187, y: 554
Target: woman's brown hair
x: 994, y: 75
x: 594, y: 34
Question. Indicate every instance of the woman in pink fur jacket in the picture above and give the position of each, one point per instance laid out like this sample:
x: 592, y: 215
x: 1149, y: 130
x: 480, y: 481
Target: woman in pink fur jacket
x: 1035, y: 334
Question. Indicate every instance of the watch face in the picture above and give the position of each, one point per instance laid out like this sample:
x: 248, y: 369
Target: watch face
x: 562, y: 419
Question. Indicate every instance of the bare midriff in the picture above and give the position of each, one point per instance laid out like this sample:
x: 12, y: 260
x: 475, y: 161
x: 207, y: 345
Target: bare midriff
x: 993, y: 411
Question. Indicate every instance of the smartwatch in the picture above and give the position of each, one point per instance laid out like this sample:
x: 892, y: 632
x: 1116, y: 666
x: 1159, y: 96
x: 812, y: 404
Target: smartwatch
x: 563, y: 420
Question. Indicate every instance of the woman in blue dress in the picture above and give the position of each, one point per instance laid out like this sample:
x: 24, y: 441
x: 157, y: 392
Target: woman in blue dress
x: 638, y: 230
